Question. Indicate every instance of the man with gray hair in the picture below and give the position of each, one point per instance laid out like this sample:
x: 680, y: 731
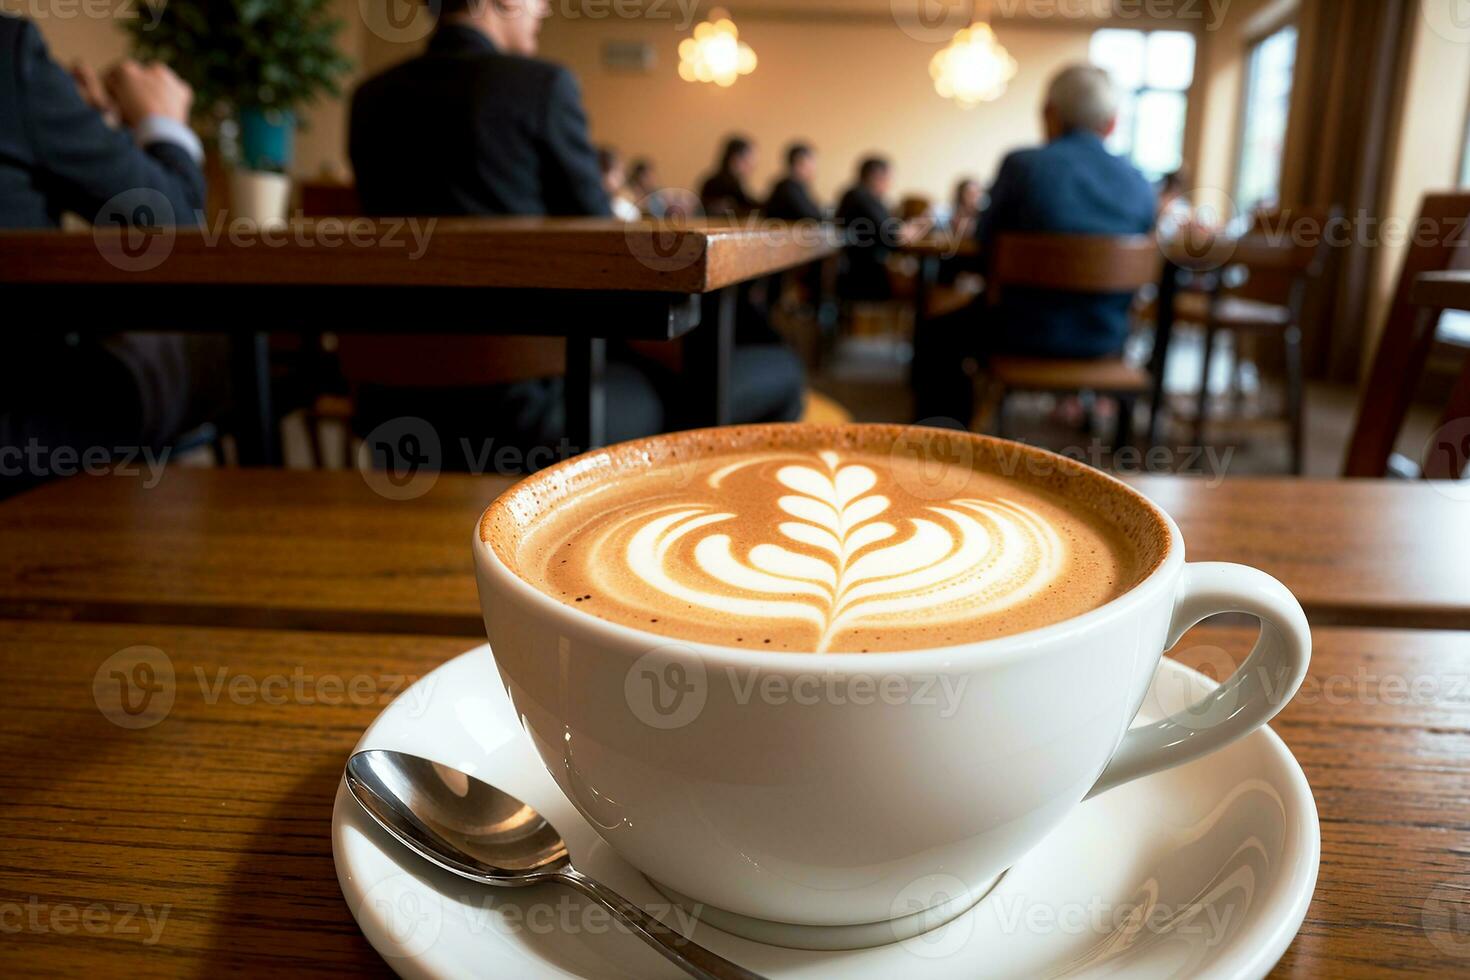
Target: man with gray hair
x: 1071, y: 185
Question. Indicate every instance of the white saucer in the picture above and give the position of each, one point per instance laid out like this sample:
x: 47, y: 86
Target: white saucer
x: 1202, y: 871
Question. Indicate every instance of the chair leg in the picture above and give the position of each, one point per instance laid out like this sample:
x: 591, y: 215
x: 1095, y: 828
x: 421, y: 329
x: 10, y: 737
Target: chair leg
x: 1123, y: 435
x: 1295, y: 409
x: 1237, y: 372
x: 1204, y: 386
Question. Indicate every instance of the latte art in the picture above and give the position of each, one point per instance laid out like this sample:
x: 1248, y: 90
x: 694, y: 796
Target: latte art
x: 836, y: 563
x: 822, y: 551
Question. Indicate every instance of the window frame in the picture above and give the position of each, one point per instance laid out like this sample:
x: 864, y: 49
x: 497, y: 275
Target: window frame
x: 1242, y: 116
x: 1189, y: 92
x: 1464, y: 168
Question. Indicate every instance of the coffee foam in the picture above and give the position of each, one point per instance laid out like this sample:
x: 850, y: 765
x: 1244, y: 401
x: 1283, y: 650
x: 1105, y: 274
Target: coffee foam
x: 812, y: 538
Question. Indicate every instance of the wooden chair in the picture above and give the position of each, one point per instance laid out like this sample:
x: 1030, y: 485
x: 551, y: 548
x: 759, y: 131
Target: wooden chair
x: 1075, y: 264
x: 1407, y: 339
x: 1261, y: 292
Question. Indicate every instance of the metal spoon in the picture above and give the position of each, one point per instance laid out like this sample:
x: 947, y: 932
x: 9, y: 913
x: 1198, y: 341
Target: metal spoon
x: 474, y: 830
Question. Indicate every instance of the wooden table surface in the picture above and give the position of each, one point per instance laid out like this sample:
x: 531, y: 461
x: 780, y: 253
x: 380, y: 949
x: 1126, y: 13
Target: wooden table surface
x: 522, y: 253
x: 328, y: 551
x: 584, y: 279
x: 201, y: 844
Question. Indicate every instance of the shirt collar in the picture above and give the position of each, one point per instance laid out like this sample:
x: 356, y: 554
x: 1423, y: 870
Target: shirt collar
x: 457, y: 38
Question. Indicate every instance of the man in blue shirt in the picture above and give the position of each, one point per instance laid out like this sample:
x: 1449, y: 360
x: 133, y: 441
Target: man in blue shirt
x: 1072, y: 185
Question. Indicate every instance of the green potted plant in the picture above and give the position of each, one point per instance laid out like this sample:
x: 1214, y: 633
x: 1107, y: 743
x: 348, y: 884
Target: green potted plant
x: 253, y: 64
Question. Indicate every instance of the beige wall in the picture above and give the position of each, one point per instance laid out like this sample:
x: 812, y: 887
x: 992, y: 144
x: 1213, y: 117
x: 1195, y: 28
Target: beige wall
x: 849, y: 88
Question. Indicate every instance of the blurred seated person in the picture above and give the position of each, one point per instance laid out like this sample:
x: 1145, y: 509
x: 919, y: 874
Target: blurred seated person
x: 791, y: 197
x: 1072, y: 185
x: 60, y: 154
x: 723, y: 193
x: 643, y: 188
x: 614, y: 183
x: 964, y: 212
x: 476, y: 125
x: 963, y: 224
x: 872, y: 233
x: 791, y: 200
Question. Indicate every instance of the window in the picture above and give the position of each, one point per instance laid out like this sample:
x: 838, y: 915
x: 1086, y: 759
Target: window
x: 1153, y: 71
x: 1267, y: 103
x: 1465, y: 158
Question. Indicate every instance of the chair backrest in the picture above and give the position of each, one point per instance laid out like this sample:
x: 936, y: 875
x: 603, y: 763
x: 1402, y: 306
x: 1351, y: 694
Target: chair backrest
x: 1282, y: 251
x: 914, y: 206
x: 1439, y: 243
x: 1073, y: 263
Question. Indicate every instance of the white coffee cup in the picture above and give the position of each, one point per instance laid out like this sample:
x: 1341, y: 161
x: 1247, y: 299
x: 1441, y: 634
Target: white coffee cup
x: 814, y: 800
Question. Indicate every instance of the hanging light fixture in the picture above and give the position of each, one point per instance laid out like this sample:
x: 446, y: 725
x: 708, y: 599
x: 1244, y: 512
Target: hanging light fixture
x: 974, y: 67
x: 715, y: 53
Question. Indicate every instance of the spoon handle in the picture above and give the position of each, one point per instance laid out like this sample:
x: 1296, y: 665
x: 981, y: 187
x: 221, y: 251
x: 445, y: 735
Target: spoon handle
x: 685, y: 953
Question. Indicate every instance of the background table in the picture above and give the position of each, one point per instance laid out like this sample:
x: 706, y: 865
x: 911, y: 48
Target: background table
x: 217, y: 819
x: 931, y: 250
x: 585, y: 279
x: 328, y: 551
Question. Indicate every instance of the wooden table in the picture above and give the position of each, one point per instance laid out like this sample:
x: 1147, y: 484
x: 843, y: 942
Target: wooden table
x: 588, y: 280
x: 201, y: 844
x: 931, y: 250
x: 328, y: 551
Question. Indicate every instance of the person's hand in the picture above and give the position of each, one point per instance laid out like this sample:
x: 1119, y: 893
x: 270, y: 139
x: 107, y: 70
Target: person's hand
x: 93, y: 92
x: 141, y: 91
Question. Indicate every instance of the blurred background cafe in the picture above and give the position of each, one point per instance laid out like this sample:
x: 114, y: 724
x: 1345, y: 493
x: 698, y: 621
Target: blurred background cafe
x: 979, y: 168
x: 279, y: 271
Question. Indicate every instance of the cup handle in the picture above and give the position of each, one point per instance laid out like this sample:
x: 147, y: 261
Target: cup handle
x: 1251, y: 696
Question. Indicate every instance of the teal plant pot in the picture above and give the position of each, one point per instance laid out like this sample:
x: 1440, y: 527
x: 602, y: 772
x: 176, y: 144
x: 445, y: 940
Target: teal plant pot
x: 267, y: 139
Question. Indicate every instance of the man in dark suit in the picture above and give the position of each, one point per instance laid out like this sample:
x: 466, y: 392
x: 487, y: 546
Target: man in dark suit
x: 872, y: 233
x: 59, y: 154
x: 478, y: 125
x: 1072, y: 185
x: 791, y: 197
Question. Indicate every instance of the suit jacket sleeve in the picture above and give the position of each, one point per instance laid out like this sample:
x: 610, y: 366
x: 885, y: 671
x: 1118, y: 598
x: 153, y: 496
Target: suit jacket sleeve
x: 572, y: 179
x: 87, y: 163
